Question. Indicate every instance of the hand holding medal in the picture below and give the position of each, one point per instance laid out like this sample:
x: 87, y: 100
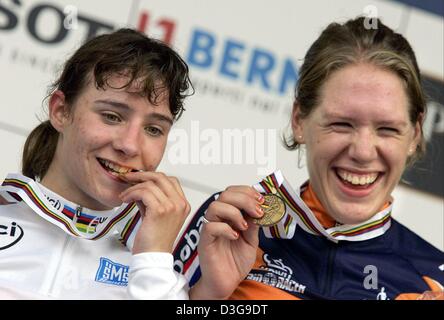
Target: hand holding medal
x: 229, y: 241
x: 274, y: 210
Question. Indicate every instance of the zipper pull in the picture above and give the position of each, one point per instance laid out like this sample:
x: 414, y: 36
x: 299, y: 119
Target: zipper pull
x: 78, y: 211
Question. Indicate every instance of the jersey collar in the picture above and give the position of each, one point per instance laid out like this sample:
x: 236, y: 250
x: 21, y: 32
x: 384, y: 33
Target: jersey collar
x: 70, y: 217
x: 299, y: 214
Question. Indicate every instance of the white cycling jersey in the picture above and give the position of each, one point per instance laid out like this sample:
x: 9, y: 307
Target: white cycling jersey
x: 51, y: 248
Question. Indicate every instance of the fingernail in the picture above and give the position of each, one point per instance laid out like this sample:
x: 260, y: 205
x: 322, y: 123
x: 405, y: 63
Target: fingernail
x: 259, y: 210
x: 245, y: 225
x: 260, y: 198
x: 235, y: 234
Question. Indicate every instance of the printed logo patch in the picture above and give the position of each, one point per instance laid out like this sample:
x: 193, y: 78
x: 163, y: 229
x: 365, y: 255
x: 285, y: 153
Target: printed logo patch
x: 10, y: 234
x: 112, y: 273
x: 275, y: 273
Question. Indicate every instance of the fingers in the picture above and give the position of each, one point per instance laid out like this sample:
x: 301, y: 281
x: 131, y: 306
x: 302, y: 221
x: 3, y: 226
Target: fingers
x: 223, y: 212
x: 244, y: 198
x: 230, y: 226
x: 163, y: 206
x: 215, y: 230
x: 235, y: 201
x: 251, y: 235
x: 160, y: 179
x: 150, y: 195
x: 168, y: 186
x: 220, y: 234
x: 179, y: 190
x: 248, y: 190
x: 157, y: 192
x: 233, y: 212
x: 176, y: 185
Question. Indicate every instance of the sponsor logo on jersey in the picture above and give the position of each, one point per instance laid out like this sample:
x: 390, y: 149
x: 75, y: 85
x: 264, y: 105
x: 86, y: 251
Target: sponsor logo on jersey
x: 275, y: 273
x: 186, y: 260
x: 10, y: 234
x: 382, y: 295
x: 55, y: 202
x: 111, y: 272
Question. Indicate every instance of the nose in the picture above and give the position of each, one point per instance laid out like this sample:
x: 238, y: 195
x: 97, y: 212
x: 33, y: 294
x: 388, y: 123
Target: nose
x: 127, y: 141
x: 363, y: 148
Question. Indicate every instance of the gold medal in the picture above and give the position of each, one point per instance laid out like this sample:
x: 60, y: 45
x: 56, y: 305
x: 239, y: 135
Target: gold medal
x: 274, y: 210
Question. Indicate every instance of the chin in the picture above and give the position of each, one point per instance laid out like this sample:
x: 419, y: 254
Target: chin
x: 359, y: 216
x: 110, y: 202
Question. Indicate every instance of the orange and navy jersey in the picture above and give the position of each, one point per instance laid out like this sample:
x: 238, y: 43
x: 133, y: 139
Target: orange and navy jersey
x: 395, y: 265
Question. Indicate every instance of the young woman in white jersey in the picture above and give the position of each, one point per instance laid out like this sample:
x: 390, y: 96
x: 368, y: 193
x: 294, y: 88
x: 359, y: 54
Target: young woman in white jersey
x: 89, y: 183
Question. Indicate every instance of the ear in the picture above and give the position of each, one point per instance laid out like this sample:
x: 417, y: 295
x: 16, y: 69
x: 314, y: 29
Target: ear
x: 296, y: 123
x: 417, y: 136
x: 58, y: 112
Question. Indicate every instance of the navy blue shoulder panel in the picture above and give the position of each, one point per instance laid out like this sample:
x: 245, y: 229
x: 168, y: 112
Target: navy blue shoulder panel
x: 312, y: 267
x: 427, y: 259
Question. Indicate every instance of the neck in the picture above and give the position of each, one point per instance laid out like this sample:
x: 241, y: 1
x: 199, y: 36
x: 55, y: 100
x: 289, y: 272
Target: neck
x: 312, y: 201
x: 57, y: 181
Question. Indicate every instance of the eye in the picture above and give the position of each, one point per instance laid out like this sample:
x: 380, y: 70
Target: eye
x: 153, y: 131
x: 389, y: 130
x: 111, y: 117
x: 341, y: 126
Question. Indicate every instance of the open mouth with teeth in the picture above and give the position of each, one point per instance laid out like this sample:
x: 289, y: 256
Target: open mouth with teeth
x: 115, y: 169
x: 360, y: 181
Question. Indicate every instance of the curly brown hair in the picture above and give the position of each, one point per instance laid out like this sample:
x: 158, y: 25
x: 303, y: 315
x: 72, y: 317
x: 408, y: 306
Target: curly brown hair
x: 124, y: 51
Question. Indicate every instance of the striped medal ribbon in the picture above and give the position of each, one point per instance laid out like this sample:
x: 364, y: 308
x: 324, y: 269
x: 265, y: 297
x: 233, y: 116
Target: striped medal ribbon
x: 84, y: 223
x: 297, y: 213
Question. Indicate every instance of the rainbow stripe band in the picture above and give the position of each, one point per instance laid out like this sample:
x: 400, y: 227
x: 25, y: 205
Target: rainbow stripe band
x: 37, y: 201
x: 129, y: 228
x: 25, y: 189
x: 298, y: 213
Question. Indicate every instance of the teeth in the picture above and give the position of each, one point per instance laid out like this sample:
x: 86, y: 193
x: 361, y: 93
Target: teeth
x: 116, y: 169
x: 357, y: 179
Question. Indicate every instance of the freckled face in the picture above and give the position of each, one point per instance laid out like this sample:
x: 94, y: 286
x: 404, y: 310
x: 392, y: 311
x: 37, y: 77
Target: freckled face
x: 108, y: 131
x: 358, y: 140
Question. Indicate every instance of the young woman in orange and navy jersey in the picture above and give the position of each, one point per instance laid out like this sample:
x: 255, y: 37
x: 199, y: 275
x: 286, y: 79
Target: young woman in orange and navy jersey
x: 358, y: 111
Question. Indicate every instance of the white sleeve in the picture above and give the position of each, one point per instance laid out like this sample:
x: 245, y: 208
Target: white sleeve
x: 152, y: 277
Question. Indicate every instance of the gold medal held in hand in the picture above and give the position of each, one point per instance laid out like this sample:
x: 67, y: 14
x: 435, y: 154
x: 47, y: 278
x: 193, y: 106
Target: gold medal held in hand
x: 274, y: 210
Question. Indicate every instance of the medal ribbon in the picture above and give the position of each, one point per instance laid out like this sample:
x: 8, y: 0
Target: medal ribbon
x: 298, y: 213
x: 16, y: 188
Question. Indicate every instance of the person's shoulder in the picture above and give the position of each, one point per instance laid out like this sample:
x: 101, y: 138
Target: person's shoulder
x: 404, y: 238
x: 11, y: 209
x: 426, y: 258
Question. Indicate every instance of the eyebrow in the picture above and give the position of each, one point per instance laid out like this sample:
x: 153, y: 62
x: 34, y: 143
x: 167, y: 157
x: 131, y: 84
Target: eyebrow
x: 126, y: 107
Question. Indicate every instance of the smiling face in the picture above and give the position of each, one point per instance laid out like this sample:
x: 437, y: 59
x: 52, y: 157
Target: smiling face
x: 109, y: 130
x: 358, y: 140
